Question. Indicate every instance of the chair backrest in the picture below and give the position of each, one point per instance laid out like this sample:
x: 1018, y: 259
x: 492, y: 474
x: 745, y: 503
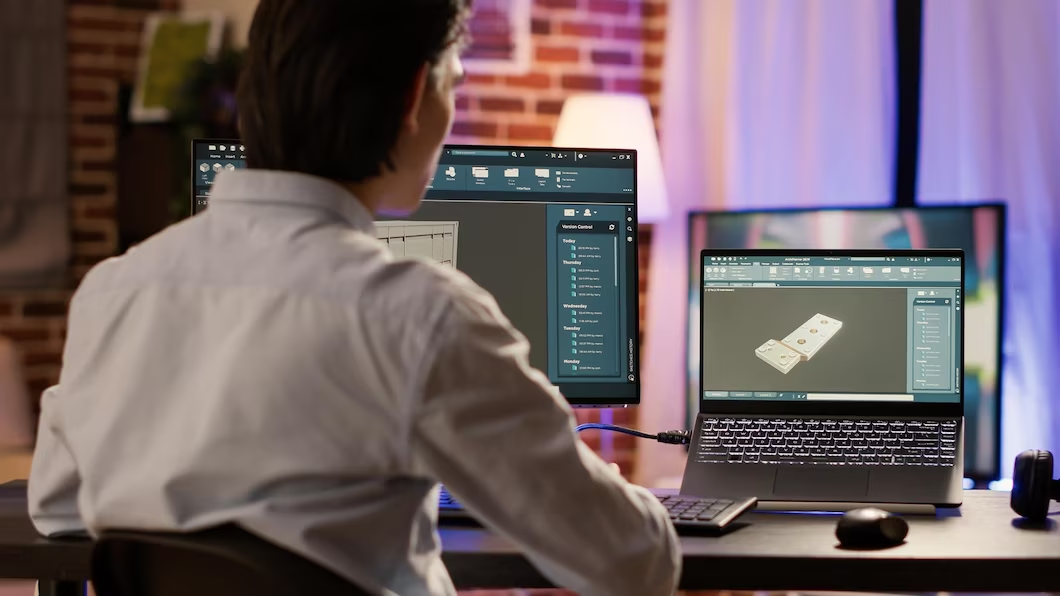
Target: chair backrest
x: 223, y: 561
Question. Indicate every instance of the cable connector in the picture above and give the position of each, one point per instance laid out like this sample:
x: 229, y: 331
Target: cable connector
x: 675, y: 437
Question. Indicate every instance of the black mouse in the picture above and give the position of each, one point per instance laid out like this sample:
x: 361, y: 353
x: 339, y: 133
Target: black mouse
x: 870, y: 527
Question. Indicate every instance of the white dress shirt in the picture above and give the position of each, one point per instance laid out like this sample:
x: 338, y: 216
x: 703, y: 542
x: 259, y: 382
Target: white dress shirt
x: 269, y: 363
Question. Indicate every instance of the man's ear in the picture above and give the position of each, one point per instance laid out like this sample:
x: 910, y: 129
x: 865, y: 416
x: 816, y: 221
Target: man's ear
x: 415, y: 98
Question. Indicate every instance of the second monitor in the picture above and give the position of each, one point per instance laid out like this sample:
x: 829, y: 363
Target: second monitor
x: 551, y: 234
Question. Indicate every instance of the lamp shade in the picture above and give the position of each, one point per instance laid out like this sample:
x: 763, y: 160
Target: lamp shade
x: 619, y: 121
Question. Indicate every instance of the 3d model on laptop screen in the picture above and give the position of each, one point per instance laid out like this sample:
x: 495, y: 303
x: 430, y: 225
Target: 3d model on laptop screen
x: 800, y: 345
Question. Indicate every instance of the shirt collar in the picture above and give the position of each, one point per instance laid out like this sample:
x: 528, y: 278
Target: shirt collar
x: 291, y: 188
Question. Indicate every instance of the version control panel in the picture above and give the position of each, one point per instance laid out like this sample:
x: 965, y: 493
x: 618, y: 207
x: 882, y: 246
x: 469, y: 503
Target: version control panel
x: 589, y: 284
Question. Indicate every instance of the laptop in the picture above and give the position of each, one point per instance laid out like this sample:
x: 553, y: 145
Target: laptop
x: 830, y: 376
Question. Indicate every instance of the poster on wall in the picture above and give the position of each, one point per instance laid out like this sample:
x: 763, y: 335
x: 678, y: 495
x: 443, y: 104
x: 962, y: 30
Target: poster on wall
x: 172, y: 43
x: 500, y: 38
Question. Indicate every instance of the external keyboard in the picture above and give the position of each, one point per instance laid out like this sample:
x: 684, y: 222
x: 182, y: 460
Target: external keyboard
x: 690, y: 515
x: 841, y: 442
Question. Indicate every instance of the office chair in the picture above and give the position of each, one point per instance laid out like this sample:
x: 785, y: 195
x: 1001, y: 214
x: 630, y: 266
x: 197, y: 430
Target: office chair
x: 223, y: 561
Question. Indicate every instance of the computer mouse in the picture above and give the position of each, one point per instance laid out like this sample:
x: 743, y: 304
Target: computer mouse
x: 870, y: 527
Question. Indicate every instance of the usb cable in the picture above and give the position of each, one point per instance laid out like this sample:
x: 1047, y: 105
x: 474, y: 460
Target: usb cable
x: 671, y: 437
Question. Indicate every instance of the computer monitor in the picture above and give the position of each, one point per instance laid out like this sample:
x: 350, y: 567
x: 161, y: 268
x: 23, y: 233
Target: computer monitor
x: 551, y: 233
x: 977, y: 229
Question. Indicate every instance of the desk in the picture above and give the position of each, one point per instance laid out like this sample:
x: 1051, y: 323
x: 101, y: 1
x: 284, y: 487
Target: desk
x: 977, y: 548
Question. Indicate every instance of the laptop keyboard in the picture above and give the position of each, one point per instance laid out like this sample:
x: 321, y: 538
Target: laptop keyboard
x: 802, y: 441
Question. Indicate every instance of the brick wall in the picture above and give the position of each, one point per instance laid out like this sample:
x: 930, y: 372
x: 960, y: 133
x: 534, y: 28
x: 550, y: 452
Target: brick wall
x: 578, y: 46
x: 102, y: 45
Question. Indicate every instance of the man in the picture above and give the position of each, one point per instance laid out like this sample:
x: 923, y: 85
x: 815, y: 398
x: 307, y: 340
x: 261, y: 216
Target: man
x: 268, y: 363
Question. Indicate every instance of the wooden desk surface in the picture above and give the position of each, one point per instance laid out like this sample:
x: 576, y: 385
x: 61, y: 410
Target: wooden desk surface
x: 980, y: 547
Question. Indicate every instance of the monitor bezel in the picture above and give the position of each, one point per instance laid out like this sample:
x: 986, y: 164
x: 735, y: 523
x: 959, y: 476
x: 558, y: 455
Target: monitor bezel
x: 845, y: 408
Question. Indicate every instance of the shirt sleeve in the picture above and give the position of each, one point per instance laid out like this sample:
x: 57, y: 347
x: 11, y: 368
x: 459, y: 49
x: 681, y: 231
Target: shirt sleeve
x: 53, y: 480
x: 499, y: 435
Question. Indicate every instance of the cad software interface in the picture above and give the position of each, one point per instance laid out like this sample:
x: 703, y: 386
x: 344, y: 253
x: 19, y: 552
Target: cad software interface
x: 838, y: 328
x: 210, y: 158
x: 551, y: 234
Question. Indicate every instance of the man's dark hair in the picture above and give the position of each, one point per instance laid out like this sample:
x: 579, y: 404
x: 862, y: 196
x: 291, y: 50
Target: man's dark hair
x: 326, y: 82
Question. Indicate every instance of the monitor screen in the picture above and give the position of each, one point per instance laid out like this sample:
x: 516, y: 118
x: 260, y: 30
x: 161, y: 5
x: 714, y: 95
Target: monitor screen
x: 210, y: 157
x: 551, y: 233
x: 978, y: 230
x: 831, y: 328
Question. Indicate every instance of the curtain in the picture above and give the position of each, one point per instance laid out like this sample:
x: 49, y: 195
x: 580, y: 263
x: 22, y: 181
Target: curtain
x: 766, y: 103
x: 990, y: 129
x: 34, y: 236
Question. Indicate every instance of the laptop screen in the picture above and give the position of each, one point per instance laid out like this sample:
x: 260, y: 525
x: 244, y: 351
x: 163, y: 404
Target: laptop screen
x: 831, y: 327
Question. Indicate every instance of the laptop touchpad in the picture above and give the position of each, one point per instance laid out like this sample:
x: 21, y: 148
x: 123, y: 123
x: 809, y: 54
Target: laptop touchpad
x: 822, y: 484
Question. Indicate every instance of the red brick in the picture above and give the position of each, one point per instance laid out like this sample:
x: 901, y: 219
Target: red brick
x: 609, y: 6
x: 109, y: 119
x: 44, y: 308
x: 88, y: 95
x: 36, y: 358
x: 87, y: 189
x: 96, y: 24
x: 529, y: 132
x: 535, y: 80
x: 86, y: 260
x: 584, y: 416
x: 501, y: 104
x: 21, y: 333
x: 653, y: 60
x: 481, y: 79
x: 463, y: 103
x: 36, y: 388
x: 98, y: 166
x: 475, y: 129
x: 549, y: 106
x: 83, y: 47
x: 582, y: 82
x: 624, y: 416
x: 557, y: 3
x: 88, y: 236
x: 611, y: 57
x: 652, y: 8
x: 96, y: 71
x: 556, y: 54
x: 653, y: 34
x: 124, y: 51
x: 79, y: 141
x: 99, y: 213
x: 540, y: 26
x: 637, y: 86
x: 582, y: 29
